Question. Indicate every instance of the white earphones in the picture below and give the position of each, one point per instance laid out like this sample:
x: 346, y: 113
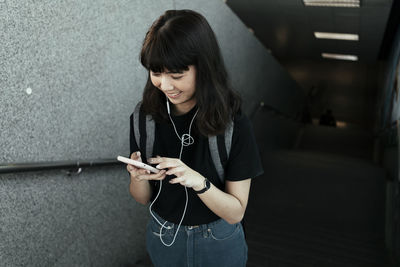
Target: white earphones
x: 168, y: 109
x: 186, y: 140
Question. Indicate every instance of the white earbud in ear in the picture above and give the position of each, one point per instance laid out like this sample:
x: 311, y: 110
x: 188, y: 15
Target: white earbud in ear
x: 168, y: 110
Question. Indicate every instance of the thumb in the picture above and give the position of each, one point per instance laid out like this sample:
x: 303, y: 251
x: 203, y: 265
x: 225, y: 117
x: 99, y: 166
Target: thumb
x: 136, y: 156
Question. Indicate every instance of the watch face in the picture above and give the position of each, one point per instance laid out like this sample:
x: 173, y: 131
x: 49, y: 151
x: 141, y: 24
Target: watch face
x: 207, y: 186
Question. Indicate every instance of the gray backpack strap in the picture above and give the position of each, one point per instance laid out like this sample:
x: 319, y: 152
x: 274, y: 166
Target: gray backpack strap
x: 212, y: 143
x: 217, y: 158
x: 228, y: 137
x: 136, y: 123
x: 150, y: 130
x: 144, y: 131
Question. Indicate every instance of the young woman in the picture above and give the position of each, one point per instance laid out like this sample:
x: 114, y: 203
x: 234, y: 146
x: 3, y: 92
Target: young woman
x: 195, y: 216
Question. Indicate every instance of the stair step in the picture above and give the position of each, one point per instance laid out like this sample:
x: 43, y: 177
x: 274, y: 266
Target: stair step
x: 317, y: 246
x: 361, y: 242
x: 316, y: 209
x: 306, y: 252
x: 353, y: 142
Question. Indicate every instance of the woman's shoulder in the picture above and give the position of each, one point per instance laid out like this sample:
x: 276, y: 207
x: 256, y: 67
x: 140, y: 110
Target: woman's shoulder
x: 240, y: 120
x: 243, y: 127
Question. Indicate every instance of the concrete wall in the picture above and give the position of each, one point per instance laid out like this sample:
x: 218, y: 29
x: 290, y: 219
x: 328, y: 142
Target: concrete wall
x: 395, y: 76
x: 389, y: 99
x: 388, y: 113
x: 69, y: 79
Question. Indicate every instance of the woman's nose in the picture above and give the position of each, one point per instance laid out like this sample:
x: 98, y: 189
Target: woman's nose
x: 166, y: 84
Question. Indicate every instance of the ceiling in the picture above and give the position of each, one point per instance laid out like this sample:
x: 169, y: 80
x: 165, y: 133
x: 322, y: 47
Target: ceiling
x: 349, y: 88
x: 287, y: 27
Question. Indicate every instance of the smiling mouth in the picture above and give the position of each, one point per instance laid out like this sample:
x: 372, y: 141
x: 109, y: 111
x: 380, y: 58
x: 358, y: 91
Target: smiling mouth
x: 175, y: 95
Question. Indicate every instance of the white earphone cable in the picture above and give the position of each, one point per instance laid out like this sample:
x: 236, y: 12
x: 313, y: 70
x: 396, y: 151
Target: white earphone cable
x: 186, y: 140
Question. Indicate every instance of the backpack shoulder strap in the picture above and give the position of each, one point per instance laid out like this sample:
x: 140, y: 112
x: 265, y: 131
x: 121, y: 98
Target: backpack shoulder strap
x: 136, y: 131
x: 228, y: 138
x: 144, y: 131
x: 220, y: 147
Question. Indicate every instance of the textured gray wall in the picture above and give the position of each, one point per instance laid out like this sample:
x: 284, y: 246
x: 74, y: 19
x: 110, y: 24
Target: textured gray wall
x: 69, y: 79
x: 388, y: 110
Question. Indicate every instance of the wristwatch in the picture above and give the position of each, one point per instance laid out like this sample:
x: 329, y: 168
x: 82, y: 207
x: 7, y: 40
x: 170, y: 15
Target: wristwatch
x: 207, y: 186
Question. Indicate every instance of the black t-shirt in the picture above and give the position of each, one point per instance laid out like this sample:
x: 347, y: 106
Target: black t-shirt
x: 244, y: 162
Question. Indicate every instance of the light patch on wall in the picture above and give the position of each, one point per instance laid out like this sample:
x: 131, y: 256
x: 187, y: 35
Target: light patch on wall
x: 340, y: 56
x: 339, y: 124
x: 28, y: 91
x: 332, y: 3
x: 282, y: 35
x: 336, y: 36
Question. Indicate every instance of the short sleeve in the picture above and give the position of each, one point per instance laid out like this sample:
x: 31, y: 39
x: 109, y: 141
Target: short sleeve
x: 244, y: 159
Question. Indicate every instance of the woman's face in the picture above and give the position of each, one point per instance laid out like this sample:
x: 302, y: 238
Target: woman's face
x: 179, y: 87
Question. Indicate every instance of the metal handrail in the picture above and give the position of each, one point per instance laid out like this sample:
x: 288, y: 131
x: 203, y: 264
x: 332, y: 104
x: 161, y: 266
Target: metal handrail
x: 52, y: 165
x: 264, y: 106
x: 78, y: 165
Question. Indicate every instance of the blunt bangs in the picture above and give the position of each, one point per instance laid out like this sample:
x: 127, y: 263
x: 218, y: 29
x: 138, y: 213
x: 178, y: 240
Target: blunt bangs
x: 163, y: 51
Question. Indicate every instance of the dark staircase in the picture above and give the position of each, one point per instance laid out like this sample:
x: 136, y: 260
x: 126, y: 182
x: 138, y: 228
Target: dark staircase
x: 319, y: 205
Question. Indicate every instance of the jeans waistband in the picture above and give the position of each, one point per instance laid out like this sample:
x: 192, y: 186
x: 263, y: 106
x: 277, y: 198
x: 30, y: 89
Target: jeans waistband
x: 195, y: 228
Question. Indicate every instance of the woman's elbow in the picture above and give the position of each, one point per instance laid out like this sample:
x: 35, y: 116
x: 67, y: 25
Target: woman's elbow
x: 141, y: 200
x: 144, y: 202
x: 235, y: 219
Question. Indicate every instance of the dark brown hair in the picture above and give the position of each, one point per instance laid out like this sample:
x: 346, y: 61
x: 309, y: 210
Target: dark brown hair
x: 176, y: 40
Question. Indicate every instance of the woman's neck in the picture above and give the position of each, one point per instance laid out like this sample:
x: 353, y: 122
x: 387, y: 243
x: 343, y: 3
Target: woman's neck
x: 183, y: 108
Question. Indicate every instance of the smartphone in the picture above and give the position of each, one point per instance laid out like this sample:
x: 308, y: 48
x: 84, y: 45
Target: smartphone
x: 137, y: 164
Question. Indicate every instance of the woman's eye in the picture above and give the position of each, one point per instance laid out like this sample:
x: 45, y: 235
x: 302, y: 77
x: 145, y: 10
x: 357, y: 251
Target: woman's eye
x: 176, y: 77
x: 156, y: 74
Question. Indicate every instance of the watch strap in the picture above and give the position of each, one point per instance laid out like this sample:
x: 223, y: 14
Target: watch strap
x: 207, y: 186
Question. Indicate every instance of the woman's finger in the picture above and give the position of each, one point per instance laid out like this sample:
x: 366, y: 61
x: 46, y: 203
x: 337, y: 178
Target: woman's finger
x: 169, y: 163
x: 155, y: 160
x: 136, y: 156
x: 177, y: 180
x: 157, y: 176
x: 130, y: 168
x: 183, y: 181
x: 141, y: 171
x: 159, y: 159
x: 176, y: 170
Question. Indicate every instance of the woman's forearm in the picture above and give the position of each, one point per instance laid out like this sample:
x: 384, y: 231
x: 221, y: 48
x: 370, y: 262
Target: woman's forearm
x: 225, y: 205
x: 140, y: 190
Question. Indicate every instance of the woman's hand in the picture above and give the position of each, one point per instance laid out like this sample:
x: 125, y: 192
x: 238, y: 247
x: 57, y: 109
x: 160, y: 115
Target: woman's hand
x: 184, y: 175
x: 140, y: 174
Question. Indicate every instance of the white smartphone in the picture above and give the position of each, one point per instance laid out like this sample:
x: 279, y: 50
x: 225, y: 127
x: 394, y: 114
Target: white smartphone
x: 137, y: 164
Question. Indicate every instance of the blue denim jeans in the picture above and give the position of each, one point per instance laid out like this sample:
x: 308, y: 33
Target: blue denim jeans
x: 215, y: 244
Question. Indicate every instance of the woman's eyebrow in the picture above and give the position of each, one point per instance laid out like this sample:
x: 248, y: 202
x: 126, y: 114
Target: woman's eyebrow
x: 174, y: 72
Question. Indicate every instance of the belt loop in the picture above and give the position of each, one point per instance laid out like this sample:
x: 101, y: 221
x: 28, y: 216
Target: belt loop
x: 206, y: 230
